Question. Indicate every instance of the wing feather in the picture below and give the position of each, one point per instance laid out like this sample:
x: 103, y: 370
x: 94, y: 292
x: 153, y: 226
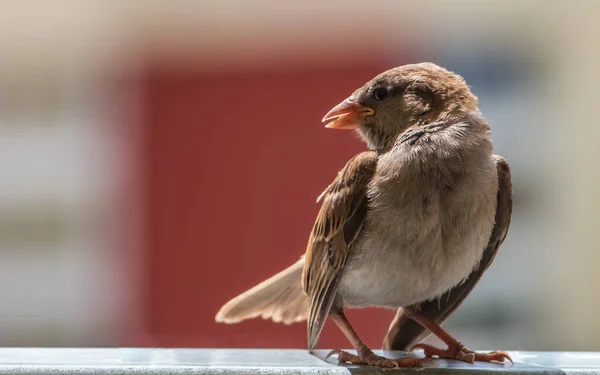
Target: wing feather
x: 337, y: 227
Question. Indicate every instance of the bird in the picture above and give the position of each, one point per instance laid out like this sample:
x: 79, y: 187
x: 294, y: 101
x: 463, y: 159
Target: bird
x: 409, y: 224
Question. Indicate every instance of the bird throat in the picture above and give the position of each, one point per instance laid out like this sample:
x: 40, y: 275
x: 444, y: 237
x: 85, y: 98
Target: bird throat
x: 375, y: 137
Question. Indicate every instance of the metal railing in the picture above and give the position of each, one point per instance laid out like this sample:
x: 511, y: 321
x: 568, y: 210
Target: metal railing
x: 262, y: 361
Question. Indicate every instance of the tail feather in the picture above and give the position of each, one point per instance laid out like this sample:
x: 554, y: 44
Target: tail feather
x: 280, y: 298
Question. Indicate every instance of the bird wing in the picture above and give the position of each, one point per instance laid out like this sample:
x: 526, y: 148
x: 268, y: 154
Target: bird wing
x: 405, y: 332
x: 336, y: 229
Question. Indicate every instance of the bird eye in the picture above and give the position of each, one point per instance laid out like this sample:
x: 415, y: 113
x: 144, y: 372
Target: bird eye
x: 380, y: 93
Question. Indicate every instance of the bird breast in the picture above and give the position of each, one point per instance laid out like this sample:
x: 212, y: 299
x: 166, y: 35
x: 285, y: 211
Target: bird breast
x: 431, y: 213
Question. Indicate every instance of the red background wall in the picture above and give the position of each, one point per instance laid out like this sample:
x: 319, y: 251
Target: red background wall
x: 233, y: 161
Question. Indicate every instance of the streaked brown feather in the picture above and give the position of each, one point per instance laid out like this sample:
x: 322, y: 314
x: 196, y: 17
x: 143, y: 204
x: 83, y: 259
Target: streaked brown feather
x: 405, y: 332
x: 337, y: 227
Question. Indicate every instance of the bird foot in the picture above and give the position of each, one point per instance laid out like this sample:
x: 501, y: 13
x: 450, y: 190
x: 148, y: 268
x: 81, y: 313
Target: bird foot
x: 459, y: 352
x: 368, y: 358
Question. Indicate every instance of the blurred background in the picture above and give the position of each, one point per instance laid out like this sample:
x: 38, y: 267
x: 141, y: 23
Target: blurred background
x: 159, y: 157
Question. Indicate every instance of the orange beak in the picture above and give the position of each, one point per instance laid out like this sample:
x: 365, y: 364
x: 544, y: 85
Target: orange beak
x: 347, y: 115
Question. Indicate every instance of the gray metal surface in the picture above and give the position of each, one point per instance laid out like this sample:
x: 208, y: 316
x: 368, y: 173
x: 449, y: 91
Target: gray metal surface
x: 263, y: 362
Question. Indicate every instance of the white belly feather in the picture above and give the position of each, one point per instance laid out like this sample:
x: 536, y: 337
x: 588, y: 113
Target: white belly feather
x: 425, y: 239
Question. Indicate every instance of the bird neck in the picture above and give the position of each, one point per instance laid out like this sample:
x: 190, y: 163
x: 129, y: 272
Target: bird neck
x: 376, y: 138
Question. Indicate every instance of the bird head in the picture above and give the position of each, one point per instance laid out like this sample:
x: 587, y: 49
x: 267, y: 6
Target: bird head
x: 405, y: 97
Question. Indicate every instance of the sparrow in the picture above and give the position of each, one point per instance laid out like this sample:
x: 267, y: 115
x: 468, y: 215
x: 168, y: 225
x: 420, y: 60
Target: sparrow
x: 411, y: 224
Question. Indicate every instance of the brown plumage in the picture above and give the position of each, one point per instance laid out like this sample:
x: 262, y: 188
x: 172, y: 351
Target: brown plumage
x: 280, y: 298
x: 411, y: 224
x: 405, y: 332
x: 338, y: 224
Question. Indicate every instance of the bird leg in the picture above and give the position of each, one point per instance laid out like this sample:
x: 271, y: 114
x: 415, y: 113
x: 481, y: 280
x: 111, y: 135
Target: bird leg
x: 365, y: 356
x: 456, y: 349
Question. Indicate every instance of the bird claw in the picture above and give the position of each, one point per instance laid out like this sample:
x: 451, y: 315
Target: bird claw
x: 333, y: 352
x: 497, y: 356
x: 461, y: 353
x: 369, y: 358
